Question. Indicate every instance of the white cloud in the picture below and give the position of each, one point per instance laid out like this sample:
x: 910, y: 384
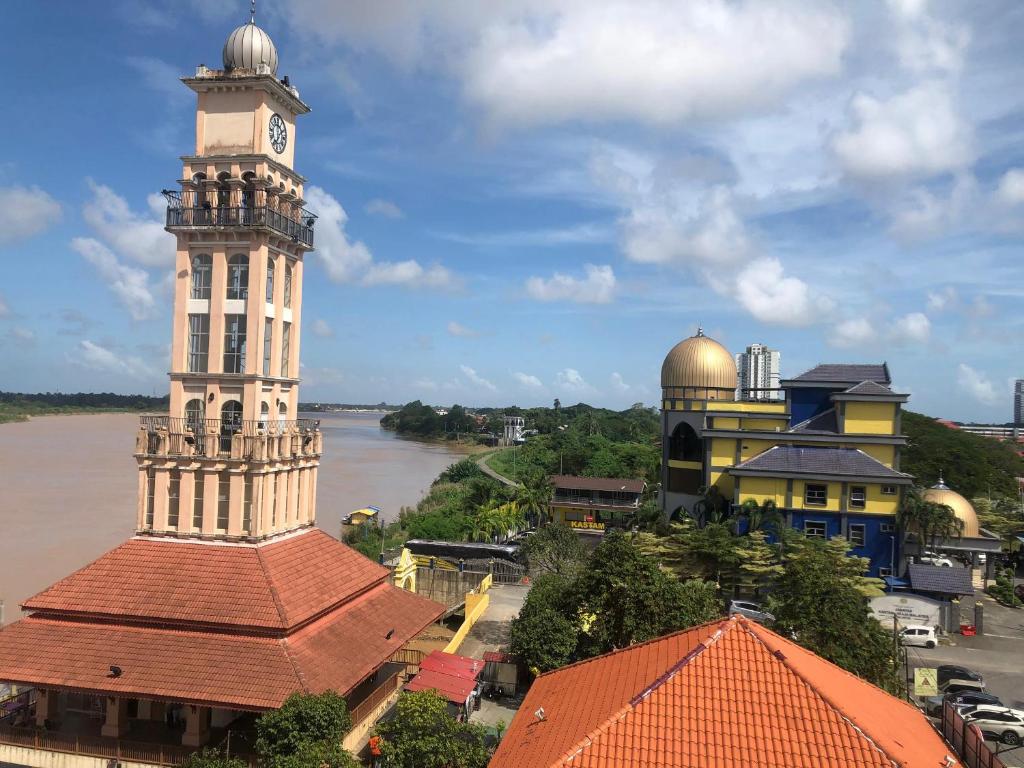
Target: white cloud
x: 1011, y: 187
x: 129, y: 284
x: 348, y: 261
x: 924, y: 213
x: 528, y: 380
x: 596, y: 287
x: 476, y: 379
x: 914, y: 327
x: 20, y: 333
x: 385, y: 208
x: 570, y: 380
x: 764, y: 290
x: 322, y: 328
x: 943, y: 299
x: 137, y: 237
x: 925, y: 44
x: 977, y: 385
x: 656, y: 61
x: 917, y: 132
x: 618, y: 384
x: 457, y: 329
x: 25, y: 212
x: 101, y: 358
x: 854, y: 332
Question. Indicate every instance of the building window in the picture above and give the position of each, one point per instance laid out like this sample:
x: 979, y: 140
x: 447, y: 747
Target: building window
x: 264, y: 415
x: 282, y: 414
x: 247, y: 507
x: 234, y: 344
x: 887, y: 528
x: 230, y: 423
x: 815, y: 529
x: 223, y: 500
x: 198, y: 343
x: 858, y: 497
x: 238, y: 277
x: 173, y: 499
x: 270, y: 279
x: 268, y: 344
x: 197, y: 502
x: 202, y: 271
x: 287, y: 285
x: 857, y: 535
x: 816, y: 495
x: 286, y: 342
x: 883, y: 572
x: 888, y: 490
x: 150, y: 497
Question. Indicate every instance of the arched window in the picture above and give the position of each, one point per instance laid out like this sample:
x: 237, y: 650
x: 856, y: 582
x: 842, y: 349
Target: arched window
x: 685, y: 445
x: 223, y: 190
x: 264, y: 415
x: 282, y: 414
x: 202, y: 273
x: 270, y: 279
x: 287, y: 285
x: 195, y: 421
x: 238, y: 276
x: 230, y: 423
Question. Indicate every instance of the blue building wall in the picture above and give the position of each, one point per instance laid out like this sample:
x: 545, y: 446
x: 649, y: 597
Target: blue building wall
x: 805, y: 403
x: 878, y: 546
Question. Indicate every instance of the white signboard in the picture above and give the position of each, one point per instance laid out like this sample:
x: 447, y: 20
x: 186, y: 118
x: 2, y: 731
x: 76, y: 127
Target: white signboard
x: 908, y: 609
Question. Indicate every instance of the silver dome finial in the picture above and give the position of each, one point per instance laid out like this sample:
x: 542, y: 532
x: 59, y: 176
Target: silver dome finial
x: 252, y: 13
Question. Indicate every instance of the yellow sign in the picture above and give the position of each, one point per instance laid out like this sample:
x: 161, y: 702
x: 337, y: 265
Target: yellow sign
x: 926, y: 682
x: 583, y: 524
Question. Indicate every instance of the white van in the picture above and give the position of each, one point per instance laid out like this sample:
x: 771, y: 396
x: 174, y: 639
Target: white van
x: 918, y: 634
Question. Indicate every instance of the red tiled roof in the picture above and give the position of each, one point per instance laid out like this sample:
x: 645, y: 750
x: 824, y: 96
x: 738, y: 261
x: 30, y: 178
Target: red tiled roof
x: 272, y: 586
x: 628, y: 485
x: 453, y: 664
x: 498, y: 657
x: 729, y: 693
x: 244, y: 671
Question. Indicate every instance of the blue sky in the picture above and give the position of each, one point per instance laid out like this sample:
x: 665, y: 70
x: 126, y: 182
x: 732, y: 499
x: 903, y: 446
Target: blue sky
x: 529, y: 199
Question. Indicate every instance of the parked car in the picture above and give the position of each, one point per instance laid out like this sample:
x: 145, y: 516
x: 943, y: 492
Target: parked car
x: 918, y: 634
x: 960, y: 701
x: 934, y: 558
x: 1002, y: 723
x: 752, y: 611
x: 946, y: 672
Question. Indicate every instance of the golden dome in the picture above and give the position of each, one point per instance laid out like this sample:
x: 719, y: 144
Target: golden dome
x: 941, y: 493
x: 701, y: 363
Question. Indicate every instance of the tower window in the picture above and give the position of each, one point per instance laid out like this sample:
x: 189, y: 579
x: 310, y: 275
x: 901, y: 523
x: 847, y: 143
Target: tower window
x: 198, y: 343
x: 247, y: 506
x: 286, y: 339
x: 270, y: 279
x: 202, y: 271
x: 282, y: 414
x: 234, y: 344
x: 238, y: 277
x: 230, y: 423
x: 287, y: 285
x: 264, y: 415
x: 685, y: 445
x: 150, y: 497
x: 268, y: 344
x: 223, y: 500
x: 197, y: 502
x: 173, y: 499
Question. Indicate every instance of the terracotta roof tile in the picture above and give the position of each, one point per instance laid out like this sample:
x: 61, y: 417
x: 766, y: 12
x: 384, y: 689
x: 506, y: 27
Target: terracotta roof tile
x: 715, y: 695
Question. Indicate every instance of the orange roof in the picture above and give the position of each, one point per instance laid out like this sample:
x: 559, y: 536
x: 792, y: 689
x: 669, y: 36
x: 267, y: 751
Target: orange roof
x: 276, y: 585
x: 729, y: 693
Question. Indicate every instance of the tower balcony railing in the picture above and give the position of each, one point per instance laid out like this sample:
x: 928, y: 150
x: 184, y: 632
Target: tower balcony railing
x: 243, y: 439
x: 191, y: 210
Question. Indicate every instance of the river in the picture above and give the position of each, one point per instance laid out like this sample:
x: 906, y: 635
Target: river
x: 68, y: 486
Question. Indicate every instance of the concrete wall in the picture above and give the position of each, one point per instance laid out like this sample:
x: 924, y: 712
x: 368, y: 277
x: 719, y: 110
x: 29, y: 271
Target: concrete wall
x: 40, y: 758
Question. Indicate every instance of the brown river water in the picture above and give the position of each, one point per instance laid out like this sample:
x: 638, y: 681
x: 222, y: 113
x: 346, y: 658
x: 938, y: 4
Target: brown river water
x: 68, y: 486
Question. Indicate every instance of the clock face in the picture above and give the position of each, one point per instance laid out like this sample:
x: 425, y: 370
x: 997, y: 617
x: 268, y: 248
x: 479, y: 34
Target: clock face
x: 278, y: 133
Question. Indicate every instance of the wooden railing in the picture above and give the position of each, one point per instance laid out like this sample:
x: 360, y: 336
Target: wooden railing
x: 366, y: 707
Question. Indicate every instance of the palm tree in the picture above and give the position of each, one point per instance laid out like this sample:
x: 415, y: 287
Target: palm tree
x: 533, y: 498
x: 932, y: 521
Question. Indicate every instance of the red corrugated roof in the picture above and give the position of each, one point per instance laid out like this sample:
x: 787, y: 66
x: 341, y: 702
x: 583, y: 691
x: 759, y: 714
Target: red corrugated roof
x: 275, y: 586
x: 498, y: 657
x: 455, y: 689
x: 453, y: 664
x: 730, y: 693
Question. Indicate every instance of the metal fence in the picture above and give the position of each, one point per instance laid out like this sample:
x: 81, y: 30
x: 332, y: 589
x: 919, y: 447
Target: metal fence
x: 176, y: 436
x: 967, y: 741
x: 194, y: 210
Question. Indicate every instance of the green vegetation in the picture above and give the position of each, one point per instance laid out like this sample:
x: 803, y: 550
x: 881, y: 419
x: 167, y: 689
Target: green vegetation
x: 421, y: 734
x: 307, y: 730
x: 971, y: 465
x: 931, y: 520
x: 418, y: 420
x: 212, y: 758
x: 1004, y: 517
x: 1002, y: 589
x: 614, y: 597
x: 16, y: 406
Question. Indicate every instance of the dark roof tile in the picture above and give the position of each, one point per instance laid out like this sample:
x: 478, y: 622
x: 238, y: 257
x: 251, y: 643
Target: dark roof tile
x: 940, y: 578
x: 847, y: 373
x: 812, y: 460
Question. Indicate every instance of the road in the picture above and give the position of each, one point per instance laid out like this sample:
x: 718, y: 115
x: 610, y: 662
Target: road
x: 486, y: 469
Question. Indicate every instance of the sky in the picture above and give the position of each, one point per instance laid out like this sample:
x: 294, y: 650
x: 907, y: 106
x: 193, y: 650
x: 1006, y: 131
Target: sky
x: 528, y: 199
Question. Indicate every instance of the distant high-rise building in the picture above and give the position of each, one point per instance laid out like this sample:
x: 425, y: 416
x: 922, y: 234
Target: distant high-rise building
x: 1018, y: 403
x: 758, y: 373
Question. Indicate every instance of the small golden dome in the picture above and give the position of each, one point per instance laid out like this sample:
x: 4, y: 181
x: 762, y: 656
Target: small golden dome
x: 940, y: 493
x: 699, y: 362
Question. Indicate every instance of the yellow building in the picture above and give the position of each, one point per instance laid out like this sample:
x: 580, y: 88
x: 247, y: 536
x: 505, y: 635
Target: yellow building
x: 594, y: 504
x: 826, y: 455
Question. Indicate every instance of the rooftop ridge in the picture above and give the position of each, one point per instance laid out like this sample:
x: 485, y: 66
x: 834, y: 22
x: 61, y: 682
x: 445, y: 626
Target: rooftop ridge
x: 278, y: 604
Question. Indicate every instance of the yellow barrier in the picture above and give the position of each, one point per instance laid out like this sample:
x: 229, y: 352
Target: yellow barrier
x: 487, y: 583
x: 476, y: 604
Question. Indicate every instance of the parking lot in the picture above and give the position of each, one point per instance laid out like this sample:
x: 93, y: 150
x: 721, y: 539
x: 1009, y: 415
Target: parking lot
x: 998, y: 656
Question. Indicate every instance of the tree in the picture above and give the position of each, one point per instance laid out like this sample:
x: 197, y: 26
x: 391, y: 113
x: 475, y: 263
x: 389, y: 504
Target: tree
x: 304, y: 723
x: 818, y: 600
x: 212, y: 758
x: 555, y: 548
x: 534, y: 497
x: 932, y: 521
x: 759, y: 563
x: 422, y: 734
x: 542, y: 638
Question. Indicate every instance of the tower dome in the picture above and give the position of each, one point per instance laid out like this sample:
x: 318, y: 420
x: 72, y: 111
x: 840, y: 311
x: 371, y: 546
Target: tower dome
x: 701, y: 368
x: 940, y: 493
x: 248, y: 47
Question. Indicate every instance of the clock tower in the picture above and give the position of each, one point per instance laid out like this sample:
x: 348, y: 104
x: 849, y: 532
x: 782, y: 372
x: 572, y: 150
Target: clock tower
x: 232, y: 460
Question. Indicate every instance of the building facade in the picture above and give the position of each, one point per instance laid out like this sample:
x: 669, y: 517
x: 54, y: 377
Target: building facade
x: 826, y: 456
x: 1018, y: 403
x: 594, y: 504
x: 228, y: 598
x: 758, y: 372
